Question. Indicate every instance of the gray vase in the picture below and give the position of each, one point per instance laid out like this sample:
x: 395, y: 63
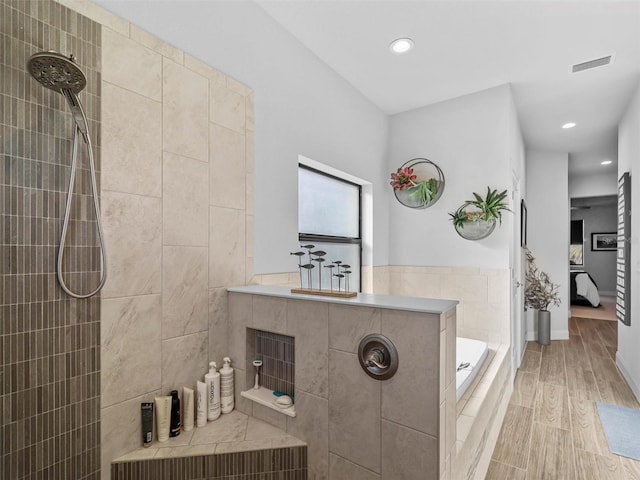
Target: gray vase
x: 544, y: 327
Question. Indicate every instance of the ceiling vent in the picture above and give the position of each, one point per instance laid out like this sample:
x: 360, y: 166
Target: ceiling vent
x: 598, y: 62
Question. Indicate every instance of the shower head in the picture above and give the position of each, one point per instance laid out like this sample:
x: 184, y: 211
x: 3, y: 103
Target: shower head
x: 61, y: 74
x: 57, y: 72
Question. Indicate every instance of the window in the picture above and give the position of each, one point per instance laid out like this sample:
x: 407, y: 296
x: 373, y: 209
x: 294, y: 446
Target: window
x: 329, y: 217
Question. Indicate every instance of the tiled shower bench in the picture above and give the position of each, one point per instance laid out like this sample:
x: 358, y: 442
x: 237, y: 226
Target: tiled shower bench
x: 234, y: 447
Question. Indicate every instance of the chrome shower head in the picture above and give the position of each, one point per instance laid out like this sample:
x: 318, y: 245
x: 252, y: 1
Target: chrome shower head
x: 61, y: 74
x: 57, y: 72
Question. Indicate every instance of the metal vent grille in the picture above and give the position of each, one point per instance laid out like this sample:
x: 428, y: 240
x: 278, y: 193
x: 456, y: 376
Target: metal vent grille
x: 598, y: 62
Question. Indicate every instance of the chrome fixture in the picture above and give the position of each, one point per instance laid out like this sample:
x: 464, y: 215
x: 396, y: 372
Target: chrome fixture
x: 61, y: 74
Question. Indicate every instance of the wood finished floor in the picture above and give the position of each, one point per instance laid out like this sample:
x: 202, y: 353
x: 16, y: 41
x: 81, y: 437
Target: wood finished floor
x: 551, y: 429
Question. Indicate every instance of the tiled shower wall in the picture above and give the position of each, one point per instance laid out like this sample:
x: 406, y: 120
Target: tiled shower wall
x: 177, y: 207
x: 49, y: 342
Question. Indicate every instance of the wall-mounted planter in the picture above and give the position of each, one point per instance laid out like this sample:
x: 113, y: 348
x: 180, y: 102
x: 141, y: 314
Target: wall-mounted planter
x: 476, y: 219
x: 418, y: 183
x: 476, y: 229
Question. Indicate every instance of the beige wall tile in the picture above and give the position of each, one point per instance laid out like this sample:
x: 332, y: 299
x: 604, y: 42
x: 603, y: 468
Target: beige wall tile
x: 238, y: 87
x: 240, y: 316
x: 129, y: 65
x: 348, y: 325
x: 464, y: 287
x: 354, y: 411
x: 131, y: 155
x: 270, y: 314
x: 242, y: 404
x: 250, y: 114
x: 120, y: 430
x: 184, y: 361
x: 227, y: 168
x: 130, y: 330
x: 185, y: 111
x: 185, y: 188
x: 250, y: 234
x: 249, y: 194
x: 203, y: 69
x: 308, y: 322
x: 132, y: 232
x: 226, y: 247
x: 408, y: 454
x: 154, y: 43
x: 218, y: 325
x: 270, y: 416
x: 227, y: 107
x: 249, y: 151
x: 416, y: 337
x: 185, y: 301
x: 341, y: 468
x: 311, y: 425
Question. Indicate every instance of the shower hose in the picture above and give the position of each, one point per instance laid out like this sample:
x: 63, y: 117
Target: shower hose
x: 67, y: 213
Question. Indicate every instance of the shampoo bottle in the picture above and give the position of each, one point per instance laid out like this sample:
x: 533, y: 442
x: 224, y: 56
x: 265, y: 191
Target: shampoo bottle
x: 175, y: 414
x: 226, y: 386
x: 163, y: 414
x: 147, y: 423
x: 201, y: 404
x: 212, y: 380
x: 187, y: 415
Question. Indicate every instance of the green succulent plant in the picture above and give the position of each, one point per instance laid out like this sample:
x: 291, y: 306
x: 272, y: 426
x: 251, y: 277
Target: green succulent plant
x: 425, y: 191
x: 486, y: 209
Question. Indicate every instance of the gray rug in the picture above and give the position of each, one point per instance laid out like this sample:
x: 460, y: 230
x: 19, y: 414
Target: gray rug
x: 622, y: 427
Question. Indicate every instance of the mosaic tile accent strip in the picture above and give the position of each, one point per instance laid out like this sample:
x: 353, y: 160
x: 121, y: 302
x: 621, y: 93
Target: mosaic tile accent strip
x: 277, y: 353
x: 49, y: 343
x: 271, y: 464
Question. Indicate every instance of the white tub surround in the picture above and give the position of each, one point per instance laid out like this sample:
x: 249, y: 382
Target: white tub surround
x: 354, y: 424
x: 470, y: 355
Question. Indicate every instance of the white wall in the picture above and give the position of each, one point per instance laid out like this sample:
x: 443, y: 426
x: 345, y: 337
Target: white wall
x: 301, y: 107
x: 548, y: 227
x: 469, y: 139
x: 628, y: 356
x: 593, y: 185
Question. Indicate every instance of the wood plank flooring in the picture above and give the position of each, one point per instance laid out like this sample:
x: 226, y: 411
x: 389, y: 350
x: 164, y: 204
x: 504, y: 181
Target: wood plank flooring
x: 551, y: 429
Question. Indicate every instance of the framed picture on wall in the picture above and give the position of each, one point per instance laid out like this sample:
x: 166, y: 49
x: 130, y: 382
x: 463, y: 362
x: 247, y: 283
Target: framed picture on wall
x: 601, y: 242
x: 523, y: 223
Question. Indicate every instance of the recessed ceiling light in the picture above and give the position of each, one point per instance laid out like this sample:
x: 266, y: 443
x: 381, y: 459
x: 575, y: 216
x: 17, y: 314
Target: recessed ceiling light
x: 568, y: 125
x: 606, y: 162
x: 401, y: 45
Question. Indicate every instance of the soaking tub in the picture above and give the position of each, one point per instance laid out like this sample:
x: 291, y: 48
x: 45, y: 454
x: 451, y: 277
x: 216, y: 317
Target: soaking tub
x: 470, y: 355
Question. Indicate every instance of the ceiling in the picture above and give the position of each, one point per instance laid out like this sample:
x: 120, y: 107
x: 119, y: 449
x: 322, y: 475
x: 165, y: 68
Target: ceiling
x: 463, y: 47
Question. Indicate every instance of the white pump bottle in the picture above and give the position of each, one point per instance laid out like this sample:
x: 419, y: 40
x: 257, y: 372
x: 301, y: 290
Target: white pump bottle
x: 226, y: 386
x: 212, y: 380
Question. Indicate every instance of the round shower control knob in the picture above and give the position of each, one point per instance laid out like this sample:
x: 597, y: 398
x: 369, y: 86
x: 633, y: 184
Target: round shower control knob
x: 378, y: 356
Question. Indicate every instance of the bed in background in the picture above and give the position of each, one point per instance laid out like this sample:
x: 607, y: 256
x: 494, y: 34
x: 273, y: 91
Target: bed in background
x: 584, y: 290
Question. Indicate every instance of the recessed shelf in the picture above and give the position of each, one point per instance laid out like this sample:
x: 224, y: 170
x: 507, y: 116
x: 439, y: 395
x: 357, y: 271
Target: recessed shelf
x: 265, y: 397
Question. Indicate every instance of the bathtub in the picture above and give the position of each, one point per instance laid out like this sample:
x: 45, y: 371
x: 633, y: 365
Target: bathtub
x: 473, y: 353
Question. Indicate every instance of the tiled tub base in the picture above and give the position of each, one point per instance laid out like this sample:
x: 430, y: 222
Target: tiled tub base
x: 234, y: 447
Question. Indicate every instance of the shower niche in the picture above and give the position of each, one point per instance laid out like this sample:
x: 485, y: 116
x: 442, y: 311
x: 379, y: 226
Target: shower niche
x: 270, y: 370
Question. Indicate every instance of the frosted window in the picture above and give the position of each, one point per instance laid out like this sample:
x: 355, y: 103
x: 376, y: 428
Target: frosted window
x: 327, y: 206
